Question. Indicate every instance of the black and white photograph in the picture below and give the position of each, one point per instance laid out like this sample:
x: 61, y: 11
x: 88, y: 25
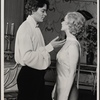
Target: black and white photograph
x: 49, y: 50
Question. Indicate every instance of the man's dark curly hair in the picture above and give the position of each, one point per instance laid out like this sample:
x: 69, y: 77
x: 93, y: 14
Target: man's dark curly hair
x: 33, y: 5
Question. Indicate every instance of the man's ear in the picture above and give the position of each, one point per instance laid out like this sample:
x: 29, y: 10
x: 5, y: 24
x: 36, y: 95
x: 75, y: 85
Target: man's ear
x: 34, y: 9
x: 32, y: 12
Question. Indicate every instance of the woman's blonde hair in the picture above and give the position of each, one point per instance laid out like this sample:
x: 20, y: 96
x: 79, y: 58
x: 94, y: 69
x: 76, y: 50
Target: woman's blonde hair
x: 75, y: 22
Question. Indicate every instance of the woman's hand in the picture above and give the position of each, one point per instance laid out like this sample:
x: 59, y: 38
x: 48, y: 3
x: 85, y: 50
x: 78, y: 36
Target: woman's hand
x: 54, y: 93
x: 56, y: 43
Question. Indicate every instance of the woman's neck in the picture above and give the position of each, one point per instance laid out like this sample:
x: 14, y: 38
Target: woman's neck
x: 69, y: 35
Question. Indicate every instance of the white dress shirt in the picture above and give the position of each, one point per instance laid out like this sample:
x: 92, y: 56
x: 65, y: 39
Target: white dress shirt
x: 30, y: 48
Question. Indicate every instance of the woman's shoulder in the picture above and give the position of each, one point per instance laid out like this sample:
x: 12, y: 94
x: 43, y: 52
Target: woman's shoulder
x: 72, y: 42
x: 75, y: 42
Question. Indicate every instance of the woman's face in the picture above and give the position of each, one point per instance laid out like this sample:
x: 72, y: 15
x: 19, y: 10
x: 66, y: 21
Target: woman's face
x: 64, y: 26
x: 40, y: 14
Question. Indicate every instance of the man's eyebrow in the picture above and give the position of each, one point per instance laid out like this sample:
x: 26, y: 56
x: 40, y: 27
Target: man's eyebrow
x: 44, y: 9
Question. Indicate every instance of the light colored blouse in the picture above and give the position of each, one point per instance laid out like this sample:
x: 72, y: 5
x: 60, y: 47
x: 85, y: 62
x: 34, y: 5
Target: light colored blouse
x: 67, y: 61
x: 30, y: 48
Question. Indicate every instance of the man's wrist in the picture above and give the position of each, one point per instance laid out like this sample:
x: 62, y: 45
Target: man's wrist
x: 49, y: 47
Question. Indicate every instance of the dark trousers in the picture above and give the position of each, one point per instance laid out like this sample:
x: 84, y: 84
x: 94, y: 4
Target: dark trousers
x: 30, y: 84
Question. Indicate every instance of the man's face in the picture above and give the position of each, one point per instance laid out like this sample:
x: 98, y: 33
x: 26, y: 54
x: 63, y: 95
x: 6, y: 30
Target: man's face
x: 40, y: 14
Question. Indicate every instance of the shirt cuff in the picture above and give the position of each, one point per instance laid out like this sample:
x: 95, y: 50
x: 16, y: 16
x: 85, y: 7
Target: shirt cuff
x: 49, y: 47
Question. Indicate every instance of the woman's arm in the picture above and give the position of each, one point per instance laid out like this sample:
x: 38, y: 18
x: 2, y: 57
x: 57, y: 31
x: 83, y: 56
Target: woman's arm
x: 54, y: 93
x: 73, y: 61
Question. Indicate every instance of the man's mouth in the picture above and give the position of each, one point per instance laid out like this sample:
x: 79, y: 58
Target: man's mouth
x: 42, y: 17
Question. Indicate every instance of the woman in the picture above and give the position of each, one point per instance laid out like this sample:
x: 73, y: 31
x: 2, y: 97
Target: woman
x: 68, y: 58
x: 31, y: 52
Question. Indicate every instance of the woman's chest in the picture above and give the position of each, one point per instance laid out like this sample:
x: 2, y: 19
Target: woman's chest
x: 63, y: 54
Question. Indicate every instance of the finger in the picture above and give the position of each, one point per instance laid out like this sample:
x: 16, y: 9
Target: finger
x: 63, y: 41
x: 55, y: 38
x: 60, y: 44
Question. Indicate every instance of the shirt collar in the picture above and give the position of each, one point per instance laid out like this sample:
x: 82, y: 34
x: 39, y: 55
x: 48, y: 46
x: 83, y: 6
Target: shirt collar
x: 31, y: 20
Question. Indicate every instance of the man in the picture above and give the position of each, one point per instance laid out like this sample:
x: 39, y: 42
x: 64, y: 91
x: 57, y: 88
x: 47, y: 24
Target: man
x: 31, y: 52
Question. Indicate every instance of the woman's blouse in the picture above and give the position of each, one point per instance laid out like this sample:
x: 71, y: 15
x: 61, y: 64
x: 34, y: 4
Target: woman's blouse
x: 30, y: 48
x: 67, y: 61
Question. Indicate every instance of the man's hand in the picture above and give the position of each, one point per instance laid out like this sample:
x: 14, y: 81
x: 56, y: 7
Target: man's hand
x: 56, y: 43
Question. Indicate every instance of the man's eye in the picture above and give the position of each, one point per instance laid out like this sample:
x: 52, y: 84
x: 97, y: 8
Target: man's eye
x: 43, y: 11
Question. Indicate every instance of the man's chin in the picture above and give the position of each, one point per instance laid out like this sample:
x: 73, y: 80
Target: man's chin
x: 41, y: 20
x: 61, y: 29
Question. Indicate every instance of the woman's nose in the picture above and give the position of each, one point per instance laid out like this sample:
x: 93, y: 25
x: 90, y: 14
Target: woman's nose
x: 62, y: 19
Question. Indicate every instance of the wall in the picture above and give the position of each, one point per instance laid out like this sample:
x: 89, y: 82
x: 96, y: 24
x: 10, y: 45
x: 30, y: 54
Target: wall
x: 58, y: 9
x: 13, y: 13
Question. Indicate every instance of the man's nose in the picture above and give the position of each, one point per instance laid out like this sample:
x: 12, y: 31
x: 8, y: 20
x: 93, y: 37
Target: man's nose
x: 45, y: 14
